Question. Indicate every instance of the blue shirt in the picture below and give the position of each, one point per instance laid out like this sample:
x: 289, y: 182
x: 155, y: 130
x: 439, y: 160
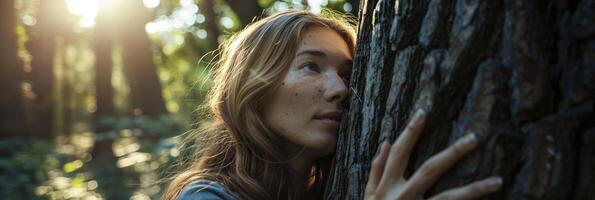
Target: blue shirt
x: 205, y: 190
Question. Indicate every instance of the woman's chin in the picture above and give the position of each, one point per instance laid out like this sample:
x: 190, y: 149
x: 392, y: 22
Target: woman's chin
x: 325, y: 147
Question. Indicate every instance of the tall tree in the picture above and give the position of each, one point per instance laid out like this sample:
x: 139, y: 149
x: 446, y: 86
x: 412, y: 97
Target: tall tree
x: 518, y: 74
x: 140, y: 71
x: 102, y: 46
x: 42, y: 46
x: 208, y: 9
x: 111, y: 179
x: 123, y: 24
x: 12, y: 120
x: 245, y: 10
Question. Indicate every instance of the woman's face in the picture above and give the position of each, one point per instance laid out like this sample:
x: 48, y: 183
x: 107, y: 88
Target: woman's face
x: 305, y: 109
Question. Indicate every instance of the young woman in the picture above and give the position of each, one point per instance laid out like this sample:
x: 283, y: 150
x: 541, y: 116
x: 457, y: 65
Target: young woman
x: 276, y: 107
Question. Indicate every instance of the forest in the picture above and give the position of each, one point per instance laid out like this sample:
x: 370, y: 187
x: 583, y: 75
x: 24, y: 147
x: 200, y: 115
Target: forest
x: 96, y: 91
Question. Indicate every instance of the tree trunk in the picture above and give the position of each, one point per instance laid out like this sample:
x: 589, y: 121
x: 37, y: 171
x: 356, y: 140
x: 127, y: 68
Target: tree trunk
x: 245, y: 10
x: 42, y: 47
x: 518, y: 74
x: 111, y: 179
x: 104, y: 94
x: 139, y: 69
x: 208, y: 9
x: 102, y: 46
x: 12, y: 118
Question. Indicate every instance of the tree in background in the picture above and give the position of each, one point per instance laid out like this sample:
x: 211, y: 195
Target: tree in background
x: 140, y: 71
x: 246, y: 10
x: 124, y: 26
x: 104, y: 93
x: 208, y: 7
x: 102, y: 46
x: 70, y: 80
x: 12, y: 118
x: 50, y: 24
x: 518, y: 74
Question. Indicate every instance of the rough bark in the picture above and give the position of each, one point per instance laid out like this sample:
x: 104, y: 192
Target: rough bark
x: 518, y: 74
x: 12, y: 119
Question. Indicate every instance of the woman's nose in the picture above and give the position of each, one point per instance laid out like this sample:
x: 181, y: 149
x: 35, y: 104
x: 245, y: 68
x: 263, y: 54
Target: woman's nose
x: 336, y: 90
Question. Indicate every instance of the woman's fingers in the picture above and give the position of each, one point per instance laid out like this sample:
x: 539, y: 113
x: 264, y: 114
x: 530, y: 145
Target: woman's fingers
x: 473, y: 190
x: 433, y: 168
x: 401, y: 149
x: 377, y: 168
x: 386, y: 174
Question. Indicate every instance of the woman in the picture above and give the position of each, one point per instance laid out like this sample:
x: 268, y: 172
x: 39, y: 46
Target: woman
x: 276, y: 107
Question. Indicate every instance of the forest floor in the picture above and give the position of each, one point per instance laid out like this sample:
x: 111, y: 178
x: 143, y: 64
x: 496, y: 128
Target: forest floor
x: 64, y: 168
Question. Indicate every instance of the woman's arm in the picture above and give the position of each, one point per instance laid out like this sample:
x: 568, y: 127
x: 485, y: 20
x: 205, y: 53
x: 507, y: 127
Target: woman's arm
x: 386, y: 179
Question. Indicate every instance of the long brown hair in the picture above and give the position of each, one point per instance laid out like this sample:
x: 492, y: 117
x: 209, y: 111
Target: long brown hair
x: 238, y: 149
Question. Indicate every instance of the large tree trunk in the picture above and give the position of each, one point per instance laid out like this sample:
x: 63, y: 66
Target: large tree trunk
x: 519, y: 74
x: 12, y: 118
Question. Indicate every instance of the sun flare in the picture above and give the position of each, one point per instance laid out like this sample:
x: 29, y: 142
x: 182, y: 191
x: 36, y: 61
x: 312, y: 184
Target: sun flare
x: 86, y: 9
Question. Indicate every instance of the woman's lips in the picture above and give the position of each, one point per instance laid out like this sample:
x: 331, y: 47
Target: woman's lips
x: 331, y: 123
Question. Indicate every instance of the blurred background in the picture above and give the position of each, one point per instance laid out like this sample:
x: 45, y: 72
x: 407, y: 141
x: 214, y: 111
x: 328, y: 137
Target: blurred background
x: 95, y: 91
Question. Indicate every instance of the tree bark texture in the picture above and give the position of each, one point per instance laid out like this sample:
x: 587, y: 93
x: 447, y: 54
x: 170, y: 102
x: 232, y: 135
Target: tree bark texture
x: 518, y: 74
x: 12, y: 117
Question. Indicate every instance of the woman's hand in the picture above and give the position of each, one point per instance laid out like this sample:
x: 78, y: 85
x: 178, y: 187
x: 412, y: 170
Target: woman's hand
x: 386, y: 179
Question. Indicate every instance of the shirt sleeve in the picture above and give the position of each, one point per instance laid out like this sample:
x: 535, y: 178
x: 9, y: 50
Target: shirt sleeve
x: 205, y: 190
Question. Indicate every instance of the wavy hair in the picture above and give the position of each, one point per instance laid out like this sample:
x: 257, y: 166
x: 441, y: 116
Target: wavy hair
x: 237, y: 148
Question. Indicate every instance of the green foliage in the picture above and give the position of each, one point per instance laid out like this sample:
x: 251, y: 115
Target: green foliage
x: 265, y: 3
x: 23, y: 166
x: 162, y: 126
x: 64, y: 169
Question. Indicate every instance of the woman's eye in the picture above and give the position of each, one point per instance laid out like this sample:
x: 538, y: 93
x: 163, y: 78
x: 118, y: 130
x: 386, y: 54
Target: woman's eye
x: 347, y: 77
x: 311, y: 67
